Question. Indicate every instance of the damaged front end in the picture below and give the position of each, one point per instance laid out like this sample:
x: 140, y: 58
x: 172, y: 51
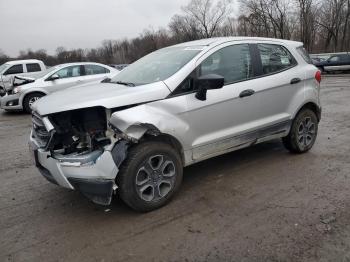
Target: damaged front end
x: 78, y: 150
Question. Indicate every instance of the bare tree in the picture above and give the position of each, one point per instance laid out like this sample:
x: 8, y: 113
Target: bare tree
x: 206, y: 15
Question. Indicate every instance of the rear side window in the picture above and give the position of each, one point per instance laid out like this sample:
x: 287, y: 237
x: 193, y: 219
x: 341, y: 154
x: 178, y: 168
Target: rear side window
x: 71, y: 71
x: 33, y: 67
x: 232, y: 62
x: 16, y: 69
x: 344, y: 57
x: 95, y: 70
x: 275, y: 58
x: 302, y: 51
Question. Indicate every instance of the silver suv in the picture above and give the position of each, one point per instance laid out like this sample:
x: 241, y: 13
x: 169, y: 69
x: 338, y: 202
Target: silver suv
x: 173, y: 108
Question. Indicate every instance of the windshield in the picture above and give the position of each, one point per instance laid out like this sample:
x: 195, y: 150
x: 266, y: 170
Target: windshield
x: 3, y: 67
x: 157, y: 66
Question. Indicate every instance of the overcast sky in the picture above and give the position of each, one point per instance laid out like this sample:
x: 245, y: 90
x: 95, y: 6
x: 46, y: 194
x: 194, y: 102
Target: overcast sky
x: 48, y: 24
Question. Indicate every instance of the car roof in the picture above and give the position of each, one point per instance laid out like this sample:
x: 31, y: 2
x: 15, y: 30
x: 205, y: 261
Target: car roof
x: 79, y: 63
x: 23, y: 61
x: 219, y: 40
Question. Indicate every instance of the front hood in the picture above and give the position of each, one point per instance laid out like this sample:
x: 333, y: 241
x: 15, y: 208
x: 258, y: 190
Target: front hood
x: 107, y: 95
x: 25, y: 78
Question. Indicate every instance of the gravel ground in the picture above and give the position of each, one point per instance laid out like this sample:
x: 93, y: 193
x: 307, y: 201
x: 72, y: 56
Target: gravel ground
x: 256, y: 204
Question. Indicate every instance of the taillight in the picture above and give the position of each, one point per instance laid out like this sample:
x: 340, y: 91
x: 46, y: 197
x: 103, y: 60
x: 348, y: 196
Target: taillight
x: 318, y: 76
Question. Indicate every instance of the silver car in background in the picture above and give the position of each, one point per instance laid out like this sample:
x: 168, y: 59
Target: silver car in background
x: 173, y: 108
x: 28, y: 88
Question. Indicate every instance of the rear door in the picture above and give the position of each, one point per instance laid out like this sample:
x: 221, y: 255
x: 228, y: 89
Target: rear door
x: 281, y: 81
x: 68, y: 76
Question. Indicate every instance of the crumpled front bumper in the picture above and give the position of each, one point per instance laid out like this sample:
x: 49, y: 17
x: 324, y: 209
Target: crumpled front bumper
x: 93, y: 176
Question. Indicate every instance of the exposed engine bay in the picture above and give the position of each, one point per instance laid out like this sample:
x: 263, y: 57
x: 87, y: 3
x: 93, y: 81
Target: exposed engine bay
x: 83, y: 130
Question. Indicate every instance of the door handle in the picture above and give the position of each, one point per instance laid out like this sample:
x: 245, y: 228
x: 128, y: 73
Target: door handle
x: 248, y: 92
x: 295, y: 81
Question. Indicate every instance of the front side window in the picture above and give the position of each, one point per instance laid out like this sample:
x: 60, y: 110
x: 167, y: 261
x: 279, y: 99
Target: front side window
x: 334, y: 59
x: 232, y: 62
x: 33, y: 67
x: 16, y: 69
x: 275, y: 58
x: 70, y: 71
x: 95, y: 70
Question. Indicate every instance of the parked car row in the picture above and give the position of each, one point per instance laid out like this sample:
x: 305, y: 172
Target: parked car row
x: 27, y: 88
x: 172, y: 108
x: 335, y: 63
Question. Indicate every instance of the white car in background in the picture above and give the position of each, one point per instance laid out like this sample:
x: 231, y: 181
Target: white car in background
x: 29, y: 88
x: 11, y: 69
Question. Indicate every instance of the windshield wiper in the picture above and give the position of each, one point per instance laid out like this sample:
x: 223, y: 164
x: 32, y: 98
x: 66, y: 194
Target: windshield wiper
x: 124, y: 83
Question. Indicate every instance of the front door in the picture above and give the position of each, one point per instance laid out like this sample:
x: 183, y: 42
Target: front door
x: 68, y: 77
x: 226, y: 119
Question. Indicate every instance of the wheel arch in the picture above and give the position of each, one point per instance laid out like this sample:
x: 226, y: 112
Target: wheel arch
x: 32, y: 92
x: 169, y: 139
x: 313, y: 107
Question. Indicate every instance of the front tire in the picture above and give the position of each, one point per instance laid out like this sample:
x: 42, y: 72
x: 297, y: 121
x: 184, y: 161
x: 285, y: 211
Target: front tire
x: 150, y: 176
x: 29, y: 100
x: 303, y: 133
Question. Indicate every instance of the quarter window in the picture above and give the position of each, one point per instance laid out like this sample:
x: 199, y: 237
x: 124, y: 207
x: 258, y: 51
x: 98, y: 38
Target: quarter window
x: 16, y: 69
x: 95, y: 70
x: 275, y: 58
x: 33, y: 67
x: 232, y: 62
x: 71, y: 71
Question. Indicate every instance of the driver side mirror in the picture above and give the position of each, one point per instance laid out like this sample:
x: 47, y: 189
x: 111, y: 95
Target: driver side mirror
x: 106, y: 80
x: 54, y: 77
x: 207, y: 82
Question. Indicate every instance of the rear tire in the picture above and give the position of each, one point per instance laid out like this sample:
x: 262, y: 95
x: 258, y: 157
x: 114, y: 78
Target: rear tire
x: 29, y: 100
x: 303, y: 133
x: 150, y: 176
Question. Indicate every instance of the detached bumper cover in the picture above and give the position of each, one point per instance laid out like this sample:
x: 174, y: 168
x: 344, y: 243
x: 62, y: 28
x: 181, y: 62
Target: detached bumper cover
x: 98, y: 191
x: 94, y: 179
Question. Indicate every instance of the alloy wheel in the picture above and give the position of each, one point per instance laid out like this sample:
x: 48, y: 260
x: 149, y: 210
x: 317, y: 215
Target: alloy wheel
x: 306, y: 132
x: 155, y: 178
x: 32, y: 100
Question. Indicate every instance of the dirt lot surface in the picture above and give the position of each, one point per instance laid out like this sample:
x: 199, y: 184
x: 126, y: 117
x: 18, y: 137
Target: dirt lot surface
x: 257, y: 204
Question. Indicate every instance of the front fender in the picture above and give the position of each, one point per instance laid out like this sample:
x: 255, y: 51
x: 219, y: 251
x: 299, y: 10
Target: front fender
x: 150, y: 118
x: 31, y: 90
